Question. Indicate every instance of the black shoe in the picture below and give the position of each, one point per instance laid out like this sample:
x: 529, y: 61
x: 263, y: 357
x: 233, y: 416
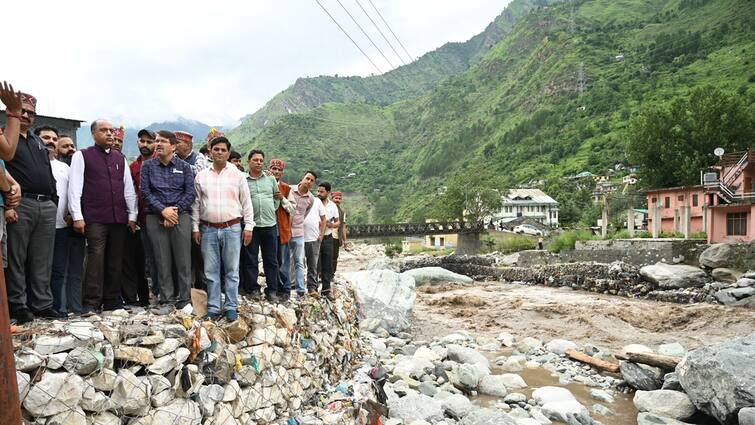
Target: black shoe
x: 22, y: 315
x: 111, y: 306
x: 254, y: 296
x: 272, y: 298
x: 49, y: 313
x: 181, y: 304
x: 284, y: 297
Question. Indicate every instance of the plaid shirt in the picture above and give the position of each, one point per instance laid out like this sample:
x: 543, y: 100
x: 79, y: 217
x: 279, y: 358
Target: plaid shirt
x: 222, y: 197
x: 165, y: 186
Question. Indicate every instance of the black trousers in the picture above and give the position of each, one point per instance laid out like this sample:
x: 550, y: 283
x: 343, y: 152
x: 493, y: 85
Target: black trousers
x: 102, y: 278
x: 134, y: 285
x: 336, y: 251
x: 325, y: 262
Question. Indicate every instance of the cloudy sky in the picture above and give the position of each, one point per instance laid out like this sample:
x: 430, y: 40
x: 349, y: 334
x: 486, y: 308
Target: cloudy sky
x: 215, y: 61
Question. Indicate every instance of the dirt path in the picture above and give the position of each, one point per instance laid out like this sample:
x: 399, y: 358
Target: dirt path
x: 488, y: 308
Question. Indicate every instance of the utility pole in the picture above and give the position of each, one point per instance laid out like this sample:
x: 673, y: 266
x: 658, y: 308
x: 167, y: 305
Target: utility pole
x: 10, y: 405
x: 604, y: 217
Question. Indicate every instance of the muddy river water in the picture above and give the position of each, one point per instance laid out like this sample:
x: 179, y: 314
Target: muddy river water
x: 623, y: 408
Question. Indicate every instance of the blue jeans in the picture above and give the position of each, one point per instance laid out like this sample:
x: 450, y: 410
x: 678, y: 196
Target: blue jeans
x: 296, y: 245
x: 221, y: 244
x: 284, y: 267
x: 265, y: 238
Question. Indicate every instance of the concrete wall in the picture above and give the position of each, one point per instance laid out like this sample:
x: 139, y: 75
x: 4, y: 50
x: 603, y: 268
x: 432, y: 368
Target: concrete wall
x: 638, y: 252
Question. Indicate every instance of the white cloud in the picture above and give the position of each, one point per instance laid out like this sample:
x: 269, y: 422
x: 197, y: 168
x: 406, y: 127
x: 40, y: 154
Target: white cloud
x: 143, y: 61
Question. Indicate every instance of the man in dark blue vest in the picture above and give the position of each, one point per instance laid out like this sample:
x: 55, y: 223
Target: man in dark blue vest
x: 103, y: 204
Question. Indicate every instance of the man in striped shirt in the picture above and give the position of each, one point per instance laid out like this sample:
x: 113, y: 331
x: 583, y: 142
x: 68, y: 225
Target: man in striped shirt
x: 222, y: 203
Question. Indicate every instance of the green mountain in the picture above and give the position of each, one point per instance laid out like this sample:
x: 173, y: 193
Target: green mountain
x: 404, y: 82
x: 552, y: 98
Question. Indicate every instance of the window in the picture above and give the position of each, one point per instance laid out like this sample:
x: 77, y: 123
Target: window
x: 667, y: 202
x: 655, y: 200
x: 680, y: 198
x: 736, y: 224
x: 694, y: 200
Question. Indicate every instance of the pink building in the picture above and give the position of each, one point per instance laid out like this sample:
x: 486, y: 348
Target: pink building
x: 672, y: 204
x: 731, y: 199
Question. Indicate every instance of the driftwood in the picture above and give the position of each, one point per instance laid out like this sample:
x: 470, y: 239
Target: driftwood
x: 592, y: 361
x: 650, y: 359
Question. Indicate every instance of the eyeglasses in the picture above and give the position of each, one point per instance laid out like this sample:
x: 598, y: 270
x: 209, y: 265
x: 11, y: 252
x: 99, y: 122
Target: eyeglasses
x: 28, y: 112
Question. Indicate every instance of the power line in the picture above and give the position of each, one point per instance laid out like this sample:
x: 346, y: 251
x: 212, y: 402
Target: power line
x: 347, y: 35
x: 380, y: 31
x: 389, y: 29
x: 365, y: 33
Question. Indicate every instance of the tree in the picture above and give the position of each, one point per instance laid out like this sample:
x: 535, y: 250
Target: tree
x: 469, y: 196
x: 672, y: 143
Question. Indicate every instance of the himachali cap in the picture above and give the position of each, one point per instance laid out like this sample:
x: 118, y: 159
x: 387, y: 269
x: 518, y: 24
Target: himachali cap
x: 119, y: 133
x: 214, y: 133
x: 29, y: 100
x: 277, y: 163
x: 336, y: 194
x: 183, y: 136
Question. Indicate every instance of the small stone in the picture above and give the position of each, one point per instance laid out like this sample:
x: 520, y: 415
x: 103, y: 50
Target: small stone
x: 672, y: 404
x: 602, y: 395
x: 674, y: 349
x: 560, y: 346
x: 166, y: 347
x: 137, y: 355
x: 528, y: 344
x: 515, y: 398
x: 602, y: 410
x: 640, y: 376
x: 47, y: 344
x: 131, y: 394
x: 456, y: 405
x: 103, y: 381
x: 237, y: 330
x: 83, y: 361
x: 22, y: 380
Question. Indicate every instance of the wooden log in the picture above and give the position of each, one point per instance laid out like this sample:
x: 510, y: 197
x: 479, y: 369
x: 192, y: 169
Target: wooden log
x: 650, y: 359
x: 592, y: 361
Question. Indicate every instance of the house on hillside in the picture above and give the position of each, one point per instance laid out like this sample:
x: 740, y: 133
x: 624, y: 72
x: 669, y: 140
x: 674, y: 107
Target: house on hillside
x: 722, y: 206
x: 672, y: 205
x: 64, y: 125
x: 530, y: 203
x: 730, y: 198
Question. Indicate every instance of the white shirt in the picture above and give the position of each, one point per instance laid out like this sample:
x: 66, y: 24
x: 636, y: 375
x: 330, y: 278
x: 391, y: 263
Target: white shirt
x: 76, y: 187
x: 60, y: 171
x: 312, y: 221
x: 331, y: 211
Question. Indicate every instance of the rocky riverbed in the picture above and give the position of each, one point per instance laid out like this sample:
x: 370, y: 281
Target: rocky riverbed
x: 426, y: 346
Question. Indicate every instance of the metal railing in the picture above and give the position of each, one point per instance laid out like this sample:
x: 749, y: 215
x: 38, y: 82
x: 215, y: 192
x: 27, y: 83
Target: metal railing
x: 414, y: 229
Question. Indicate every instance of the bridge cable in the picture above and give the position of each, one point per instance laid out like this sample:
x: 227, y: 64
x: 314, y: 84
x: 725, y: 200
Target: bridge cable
x: 380, y: 31
x: 365, y: 34
x: 347, y: 35
x: 389, y: 29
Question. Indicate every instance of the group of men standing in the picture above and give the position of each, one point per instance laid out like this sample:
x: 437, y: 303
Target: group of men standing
x: 183, y: 218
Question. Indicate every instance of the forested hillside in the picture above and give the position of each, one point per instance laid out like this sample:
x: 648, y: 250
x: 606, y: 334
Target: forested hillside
x: 553, y: 98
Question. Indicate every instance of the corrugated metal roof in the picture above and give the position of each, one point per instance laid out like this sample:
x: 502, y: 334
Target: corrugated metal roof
x: 528, y: 196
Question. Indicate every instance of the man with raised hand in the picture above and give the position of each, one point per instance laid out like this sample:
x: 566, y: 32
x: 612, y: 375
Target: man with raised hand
x: 167, y: 188
x: 31, y: 237
x: 14, y: 114
x: 325, y: 259
x: 303, y: 201
x: 222, y: 203
x: 103, y: 206
x: 265, y: 200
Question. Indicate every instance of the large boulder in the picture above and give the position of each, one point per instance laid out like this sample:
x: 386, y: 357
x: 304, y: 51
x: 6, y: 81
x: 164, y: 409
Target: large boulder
x: 717, y: 255
x: 641, y: 377
x: 720, y: 379
x: 674, y: 276
x: 435, y: 275
x: 386, y: 296
x: 53, y: 394
x: 462, y: 354
x: 416, y: 407
x: 672, y: 404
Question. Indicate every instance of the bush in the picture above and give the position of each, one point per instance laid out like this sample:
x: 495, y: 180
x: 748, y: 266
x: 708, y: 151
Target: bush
x: 393, y: 249
x: 515, y: 243
x: 699, y: 235
x: 567, y: 240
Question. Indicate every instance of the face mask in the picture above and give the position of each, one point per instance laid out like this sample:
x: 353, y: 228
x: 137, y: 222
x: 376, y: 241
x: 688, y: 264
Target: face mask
x: 146, y: 151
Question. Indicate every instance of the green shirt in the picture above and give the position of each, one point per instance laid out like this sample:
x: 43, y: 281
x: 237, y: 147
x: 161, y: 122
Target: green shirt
x: 262, y: 191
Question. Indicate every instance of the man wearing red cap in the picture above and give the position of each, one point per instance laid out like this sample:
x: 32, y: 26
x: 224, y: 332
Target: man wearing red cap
x: 118, y: 134
x: 339, y: 232
x: 185, y: 151
x: 283, y: 215
x: 13, y: 113
x: 31, y: 238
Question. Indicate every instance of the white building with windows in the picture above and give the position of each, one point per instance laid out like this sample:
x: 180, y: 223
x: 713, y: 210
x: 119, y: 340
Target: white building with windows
x: 529, y: 203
